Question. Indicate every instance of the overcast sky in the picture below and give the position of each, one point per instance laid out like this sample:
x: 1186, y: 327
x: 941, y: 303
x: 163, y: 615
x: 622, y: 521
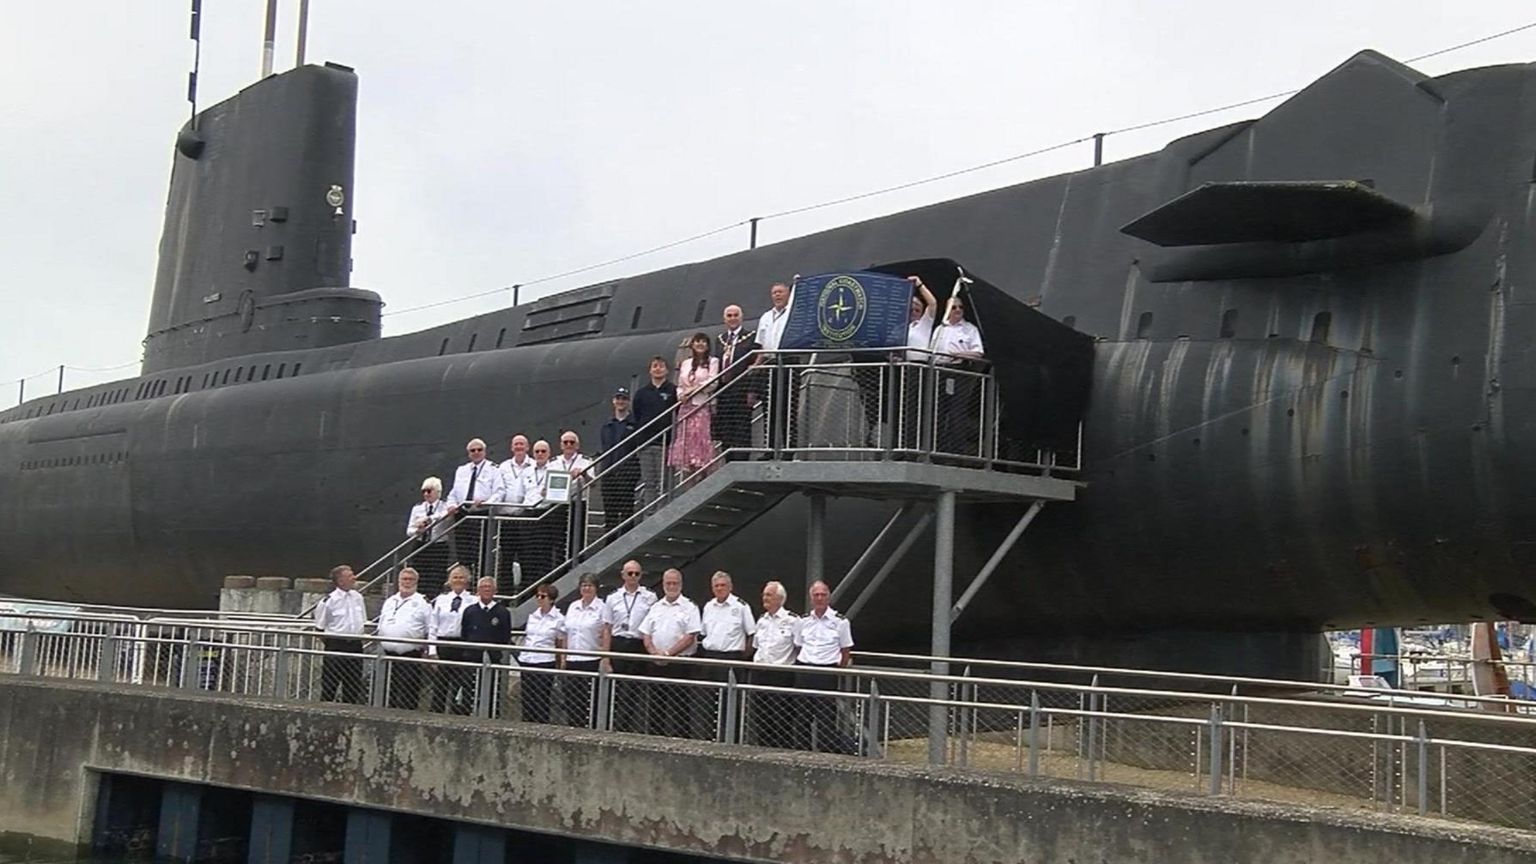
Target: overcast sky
x: 518, y: 140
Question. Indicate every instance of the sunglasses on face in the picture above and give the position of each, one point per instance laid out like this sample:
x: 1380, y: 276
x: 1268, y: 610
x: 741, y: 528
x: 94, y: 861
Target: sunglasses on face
x: 477, y: 449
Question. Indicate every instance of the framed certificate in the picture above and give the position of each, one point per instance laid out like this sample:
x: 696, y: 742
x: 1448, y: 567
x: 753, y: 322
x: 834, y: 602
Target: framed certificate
x: 558, y: 487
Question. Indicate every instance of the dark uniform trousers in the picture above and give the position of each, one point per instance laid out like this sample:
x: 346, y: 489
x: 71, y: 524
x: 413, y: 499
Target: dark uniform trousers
x: 670, y: 701
x: 341, y: 676
x: 772, y: 716
x: 405, y: 679
x: 817, y: 725
x: 576, y: 692
x: 629, y: 697
x: 454, y: 692
x: 538, y: 686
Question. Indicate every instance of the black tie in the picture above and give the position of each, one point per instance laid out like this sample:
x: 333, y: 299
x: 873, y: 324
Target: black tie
x: 430, y: 505
x: 474, y: 476
x: 456, y: 602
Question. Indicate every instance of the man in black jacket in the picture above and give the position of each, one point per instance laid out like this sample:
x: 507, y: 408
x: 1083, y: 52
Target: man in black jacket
x: 487, y: 621
x: 620, y: 471
x: 652, y: 406
x: 732, y: 420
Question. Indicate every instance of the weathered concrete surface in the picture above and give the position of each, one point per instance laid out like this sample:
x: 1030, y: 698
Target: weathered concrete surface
x: 682, y: 796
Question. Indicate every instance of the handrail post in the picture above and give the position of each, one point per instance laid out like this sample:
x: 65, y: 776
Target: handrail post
x: 106, y: 661
x: 484, y: 687
x: 872, y: 744
x: 1034, y: 734
x: 1423, y: 790
x: 280, y: 672
x: 1215, y: 744
x: 189, y: 664
x: 28, y: 660
x: 600, y: 720
x: 380, y: 683
x: 730, y: 695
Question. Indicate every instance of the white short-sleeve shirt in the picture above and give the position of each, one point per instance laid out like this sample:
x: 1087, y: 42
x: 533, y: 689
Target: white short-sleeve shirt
x: 822, y: 638
x: 727, y: 624
x: 584, y: 623
x: 669, y: 621
x: 543, y: 630
x: 775, y: 639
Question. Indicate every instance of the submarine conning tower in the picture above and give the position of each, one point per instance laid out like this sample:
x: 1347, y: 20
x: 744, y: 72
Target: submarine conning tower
x: 256, y: 254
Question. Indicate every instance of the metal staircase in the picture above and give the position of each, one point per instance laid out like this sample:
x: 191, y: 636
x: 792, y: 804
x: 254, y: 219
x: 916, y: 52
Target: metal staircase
x: 884, y: 430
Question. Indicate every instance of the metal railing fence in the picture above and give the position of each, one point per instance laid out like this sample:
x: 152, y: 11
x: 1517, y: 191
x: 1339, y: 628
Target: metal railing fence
x: 1306, y: 748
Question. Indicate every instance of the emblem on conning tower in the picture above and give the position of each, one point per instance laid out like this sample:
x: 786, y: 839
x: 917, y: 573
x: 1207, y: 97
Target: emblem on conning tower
x: 335, y: 196
x: 840, y: 308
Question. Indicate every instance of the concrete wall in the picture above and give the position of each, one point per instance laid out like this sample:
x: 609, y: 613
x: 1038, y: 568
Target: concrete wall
x: 683, y: 796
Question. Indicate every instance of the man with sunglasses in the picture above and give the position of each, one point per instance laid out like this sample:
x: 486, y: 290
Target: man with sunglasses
x: 428, y: 523
x: 960, y: 355
x: 627, y: 608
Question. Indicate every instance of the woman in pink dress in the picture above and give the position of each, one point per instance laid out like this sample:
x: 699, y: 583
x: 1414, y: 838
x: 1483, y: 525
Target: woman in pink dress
x: 692, y: 445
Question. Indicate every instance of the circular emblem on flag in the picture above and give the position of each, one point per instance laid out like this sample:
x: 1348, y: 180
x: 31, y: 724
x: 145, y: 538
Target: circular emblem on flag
x: 840, y: 308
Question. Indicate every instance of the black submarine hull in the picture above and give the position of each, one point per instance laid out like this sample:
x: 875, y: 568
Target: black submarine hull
x: 1286, y: 432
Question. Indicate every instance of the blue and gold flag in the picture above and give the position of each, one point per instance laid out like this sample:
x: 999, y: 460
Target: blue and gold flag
x: 848, y: 312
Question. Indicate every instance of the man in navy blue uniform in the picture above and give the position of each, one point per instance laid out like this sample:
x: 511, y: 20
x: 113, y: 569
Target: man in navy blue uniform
x: 620, y: 472
x: 487, y: 621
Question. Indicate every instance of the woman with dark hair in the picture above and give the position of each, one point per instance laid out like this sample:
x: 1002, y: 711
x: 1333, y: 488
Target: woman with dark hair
x: 586, y: 629
x: 544, y: 629
x: 692, y: 444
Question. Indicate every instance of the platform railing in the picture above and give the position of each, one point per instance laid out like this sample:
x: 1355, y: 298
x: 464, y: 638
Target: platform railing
x: 1303, y: 748
x: 910, y: 406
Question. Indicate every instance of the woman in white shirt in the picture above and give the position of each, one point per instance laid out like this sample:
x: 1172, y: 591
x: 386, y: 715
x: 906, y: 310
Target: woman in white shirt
x: 586, y: 629
x: 545, y: 629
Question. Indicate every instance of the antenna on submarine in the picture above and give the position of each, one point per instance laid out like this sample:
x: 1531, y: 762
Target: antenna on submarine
x: 298, y: 54
x: 269, y: 39
x: 195, y: 31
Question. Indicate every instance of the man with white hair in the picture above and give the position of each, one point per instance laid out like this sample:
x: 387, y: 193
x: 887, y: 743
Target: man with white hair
x: 476, y: 484
x: 405, y: 615
x: 428, y: 523
x: 517, y: 472
x: 671, y: 629
x: 732, y: 421
x: 774, y: 718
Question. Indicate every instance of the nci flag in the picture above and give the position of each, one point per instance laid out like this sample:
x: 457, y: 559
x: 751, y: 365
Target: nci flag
x: 847, y: 312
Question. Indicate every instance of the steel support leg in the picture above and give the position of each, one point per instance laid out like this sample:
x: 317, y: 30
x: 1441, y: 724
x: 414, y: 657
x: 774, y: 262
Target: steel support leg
x: 368, y: 840
x: 271, y: 830
x: 943, y: 595
x: 815, y: 544
x: 181, y: 806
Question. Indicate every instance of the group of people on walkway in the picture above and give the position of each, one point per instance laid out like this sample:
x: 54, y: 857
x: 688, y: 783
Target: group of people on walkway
x: 632, y: 633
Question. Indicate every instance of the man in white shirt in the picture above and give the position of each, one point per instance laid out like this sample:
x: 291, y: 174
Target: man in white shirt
x: 405, y: 615
x: 960, y: 353
x: 770, y: 327
x: 915, y: 373
x: 824, y: 641
x: 773, y: 381
x: 340, y: 616
x: 727, y: 623
x: 627, y: 608
x: 429, y: 524
x: 671, y: 629
x: 774, y: 718
x: 476, y: 484
x: 517, y: 472
x: 455, y: 684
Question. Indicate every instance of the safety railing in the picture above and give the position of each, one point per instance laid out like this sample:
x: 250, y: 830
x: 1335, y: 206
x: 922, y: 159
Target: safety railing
x: 1304, y: 748
x: 908, y: 406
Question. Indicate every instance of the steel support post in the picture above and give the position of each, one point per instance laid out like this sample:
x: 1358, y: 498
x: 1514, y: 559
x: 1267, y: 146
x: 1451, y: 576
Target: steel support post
x: 815, y: 544
x: 368, y: 837
x: 180, y: 808
x: 943, y: 596
x: 271, y: 839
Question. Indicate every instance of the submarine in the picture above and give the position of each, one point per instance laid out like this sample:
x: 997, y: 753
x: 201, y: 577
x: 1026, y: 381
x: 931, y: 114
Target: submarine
x: 1312, y: 401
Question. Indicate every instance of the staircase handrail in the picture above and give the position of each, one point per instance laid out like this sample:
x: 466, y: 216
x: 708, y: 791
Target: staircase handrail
x: 589, y: 476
